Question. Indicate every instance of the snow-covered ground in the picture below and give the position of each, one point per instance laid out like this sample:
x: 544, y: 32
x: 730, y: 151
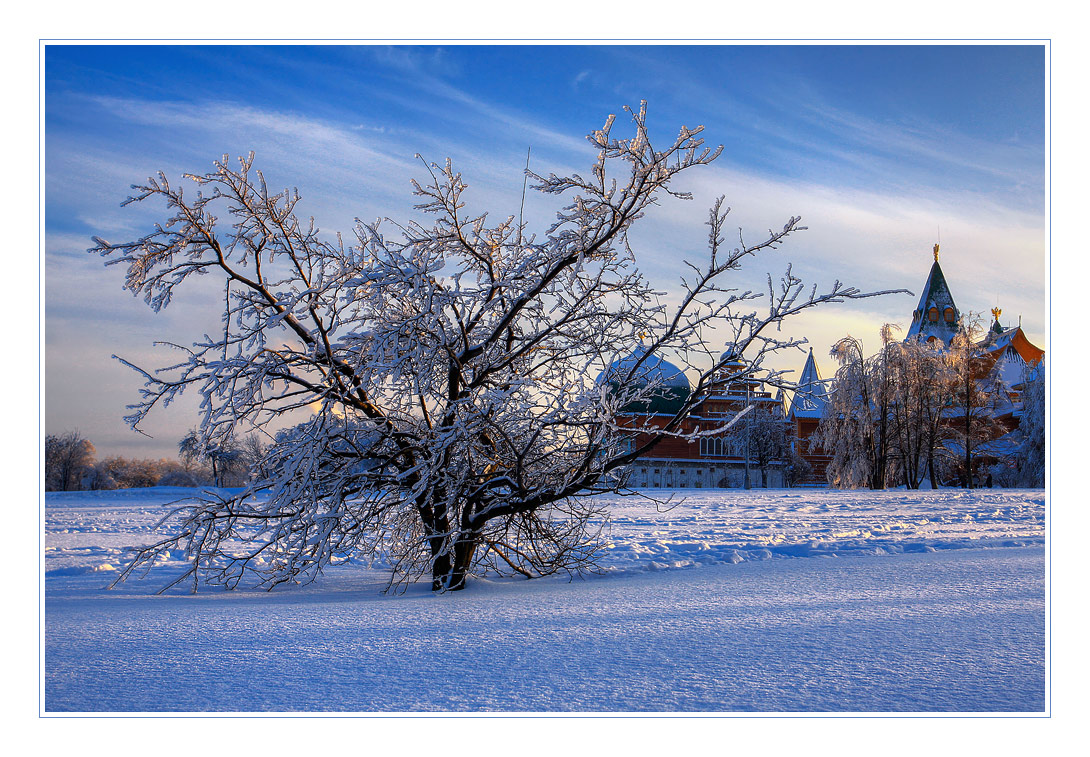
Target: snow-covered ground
x: 779, y: 601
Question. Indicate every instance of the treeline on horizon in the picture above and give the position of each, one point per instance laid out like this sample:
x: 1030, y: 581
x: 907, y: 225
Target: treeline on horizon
x: 71, y: 465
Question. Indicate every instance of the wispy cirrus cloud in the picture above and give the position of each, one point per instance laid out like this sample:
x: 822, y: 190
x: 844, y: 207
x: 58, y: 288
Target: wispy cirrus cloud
x: 928, y: 143
x: 784, y: 123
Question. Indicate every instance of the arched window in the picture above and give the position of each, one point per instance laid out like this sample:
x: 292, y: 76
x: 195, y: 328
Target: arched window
x: 948, y: 315
x: 933, y: 315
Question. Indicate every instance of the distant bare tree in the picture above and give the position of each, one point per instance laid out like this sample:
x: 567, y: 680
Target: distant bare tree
x: 223, y: 454
x: 252, y: 457
x: 68, y: 458
x: 189, y: 449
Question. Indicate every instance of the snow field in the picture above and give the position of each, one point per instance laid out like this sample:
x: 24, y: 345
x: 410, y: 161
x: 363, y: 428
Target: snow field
x: 727, y: 526
x: 703, y: 608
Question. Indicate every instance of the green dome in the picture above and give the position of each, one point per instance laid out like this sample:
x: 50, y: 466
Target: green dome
x: 671, y: 386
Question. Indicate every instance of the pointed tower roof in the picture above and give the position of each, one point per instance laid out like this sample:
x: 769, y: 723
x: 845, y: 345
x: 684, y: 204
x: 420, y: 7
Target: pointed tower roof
x: 936, y: 316
x: 1010, y: 368
x: 735, y: 375
x: 809, y: 399
x: 1012, y: 339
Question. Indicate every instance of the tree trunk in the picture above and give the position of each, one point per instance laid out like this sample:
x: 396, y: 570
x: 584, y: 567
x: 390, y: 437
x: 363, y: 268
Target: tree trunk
x: 440, y: 570
x: 440, y: 560
x: 449, y: 571
x: 968, y: 405
x: 968, y: 460
x: 463, y: 560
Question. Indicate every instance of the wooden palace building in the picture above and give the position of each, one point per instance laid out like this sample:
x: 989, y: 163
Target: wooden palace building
x: 707, y: 453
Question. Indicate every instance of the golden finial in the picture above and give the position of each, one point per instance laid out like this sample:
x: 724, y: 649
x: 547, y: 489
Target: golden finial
x: 936, y: 252
x: 996, y: 312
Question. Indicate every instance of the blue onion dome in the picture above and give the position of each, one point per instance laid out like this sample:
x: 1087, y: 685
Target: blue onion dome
x: 671, y: 385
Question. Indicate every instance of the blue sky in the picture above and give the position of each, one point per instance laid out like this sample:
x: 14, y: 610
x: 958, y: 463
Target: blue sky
x: 882, y: 150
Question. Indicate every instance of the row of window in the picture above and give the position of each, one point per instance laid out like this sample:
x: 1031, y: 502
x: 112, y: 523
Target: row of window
x: 719, y: 446
x: 680, y: 471
x: 709, y: 447
x: 681, y: 482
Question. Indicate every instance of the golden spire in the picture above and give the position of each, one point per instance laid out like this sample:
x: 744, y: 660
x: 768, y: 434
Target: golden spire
x: 996, y: 312
x: 936, y: 252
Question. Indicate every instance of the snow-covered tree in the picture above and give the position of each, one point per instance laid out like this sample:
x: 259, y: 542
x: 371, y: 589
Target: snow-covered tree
x: 922, y: 391
x: 68, y: 458
x: 1031, y: 454
x: 972, y: 412
x: 855, y: 425
x: 763, y: 434
x: 466, y: 351
x: 252, y: 454
x: 223, y: 453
